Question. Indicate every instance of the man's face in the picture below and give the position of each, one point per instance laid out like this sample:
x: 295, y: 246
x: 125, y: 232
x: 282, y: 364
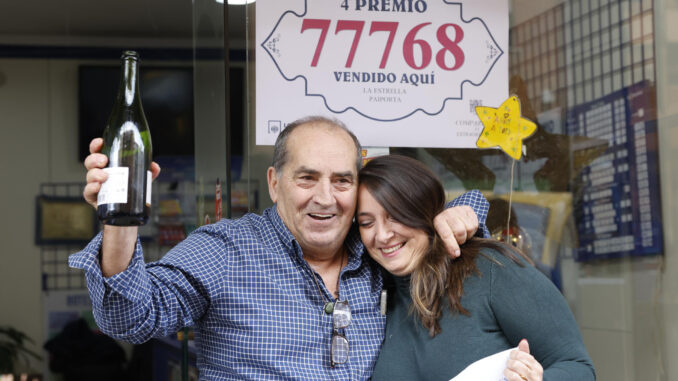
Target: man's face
x: 316, y: 191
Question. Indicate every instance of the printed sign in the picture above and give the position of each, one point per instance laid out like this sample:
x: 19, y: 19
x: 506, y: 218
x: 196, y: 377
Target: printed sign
x: 617, y: 204
x: 397, y: 72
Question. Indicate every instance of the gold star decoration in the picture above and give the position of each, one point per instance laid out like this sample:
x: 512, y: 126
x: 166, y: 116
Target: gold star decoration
x: 504, y: 127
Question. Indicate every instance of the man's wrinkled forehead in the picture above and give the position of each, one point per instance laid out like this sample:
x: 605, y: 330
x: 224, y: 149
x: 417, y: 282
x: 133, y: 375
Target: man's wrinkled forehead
x: 299, y: 146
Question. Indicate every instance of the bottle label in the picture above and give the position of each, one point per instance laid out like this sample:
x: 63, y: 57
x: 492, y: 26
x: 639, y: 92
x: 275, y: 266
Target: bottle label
x: 114, y: 189
x: 149, y: 180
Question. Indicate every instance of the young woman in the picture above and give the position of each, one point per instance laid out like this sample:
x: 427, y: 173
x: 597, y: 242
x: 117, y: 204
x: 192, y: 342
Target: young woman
x: 444, y: 314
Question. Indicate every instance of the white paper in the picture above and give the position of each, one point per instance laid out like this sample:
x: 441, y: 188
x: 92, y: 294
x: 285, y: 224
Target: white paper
x: 490, y: 368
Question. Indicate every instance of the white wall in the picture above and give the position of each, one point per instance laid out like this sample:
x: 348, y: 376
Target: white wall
x: 666, y: 32
x: 38, y: 138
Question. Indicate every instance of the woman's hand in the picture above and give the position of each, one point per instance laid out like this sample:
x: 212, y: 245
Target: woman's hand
x: 522, y: 365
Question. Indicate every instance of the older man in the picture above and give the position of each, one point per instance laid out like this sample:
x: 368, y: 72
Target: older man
x: 284, y: 295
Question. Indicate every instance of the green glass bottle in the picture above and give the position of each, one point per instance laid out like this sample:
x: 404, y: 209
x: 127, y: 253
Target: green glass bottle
x: 125, y: 198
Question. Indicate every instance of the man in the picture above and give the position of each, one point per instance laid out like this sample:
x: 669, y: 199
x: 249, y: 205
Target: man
x: 269, y: 296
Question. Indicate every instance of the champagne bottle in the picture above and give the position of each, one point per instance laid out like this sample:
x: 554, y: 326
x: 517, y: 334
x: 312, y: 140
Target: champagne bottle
x: 125, y: 197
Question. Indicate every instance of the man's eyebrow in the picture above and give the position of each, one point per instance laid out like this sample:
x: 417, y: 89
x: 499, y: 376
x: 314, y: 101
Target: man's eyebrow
x: 343, y: 174
x: 306, y: 170
x: 315, y: 172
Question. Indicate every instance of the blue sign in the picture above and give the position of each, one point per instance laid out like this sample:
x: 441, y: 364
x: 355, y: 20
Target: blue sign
x: 616, y: 197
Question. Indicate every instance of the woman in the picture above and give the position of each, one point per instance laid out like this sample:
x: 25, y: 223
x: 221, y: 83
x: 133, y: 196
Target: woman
x: 444, y: 314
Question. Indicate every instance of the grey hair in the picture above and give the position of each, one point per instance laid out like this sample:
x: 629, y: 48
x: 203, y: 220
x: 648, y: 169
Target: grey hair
x: 281, y: 154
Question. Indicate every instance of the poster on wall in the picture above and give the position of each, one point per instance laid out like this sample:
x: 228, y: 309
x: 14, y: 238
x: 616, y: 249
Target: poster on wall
x: 617, y: 201
x: 401, y: 73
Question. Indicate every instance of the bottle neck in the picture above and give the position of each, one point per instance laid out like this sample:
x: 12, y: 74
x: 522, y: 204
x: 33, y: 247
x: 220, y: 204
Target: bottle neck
x: 129, y: 82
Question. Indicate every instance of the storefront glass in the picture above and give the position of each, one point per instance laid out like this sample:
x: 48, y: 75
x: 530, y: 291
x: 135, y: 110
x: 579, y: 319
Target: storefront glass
x: 590, y: 199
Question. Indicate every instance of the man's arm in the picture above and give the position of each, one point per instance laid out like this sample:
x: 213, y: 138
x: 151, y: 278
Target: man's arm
x: 134, y: 301
x: 159, y: 298
x: 463, y: 218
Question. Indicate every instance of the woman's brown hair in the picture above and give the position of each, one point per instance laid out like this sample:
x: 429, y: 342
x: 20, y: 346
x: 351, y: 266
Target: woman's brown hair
x: 413, y: 195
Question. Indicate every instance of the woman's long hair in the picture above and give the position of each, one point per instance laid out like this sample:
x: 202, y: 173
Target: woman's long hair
x: 413, y: 196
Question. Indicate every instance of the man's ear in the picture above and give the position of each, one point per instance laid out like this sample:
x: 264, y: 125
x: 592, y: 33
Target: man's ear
x: 272, y: 178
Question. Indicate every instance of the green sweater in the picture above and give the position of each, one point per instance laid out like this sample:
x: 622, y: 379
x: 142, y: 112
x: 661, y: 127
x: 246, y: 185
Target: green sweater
x: 507, y: 303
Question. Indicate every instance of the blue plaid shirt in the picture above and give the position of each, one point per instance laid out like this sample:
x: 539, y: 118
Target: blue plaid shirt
x: 245, y: 287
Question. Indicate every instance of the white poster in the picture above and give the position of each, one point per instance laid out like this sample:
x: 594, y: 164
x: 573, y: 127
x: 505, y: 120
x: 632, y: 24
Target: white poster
x: 400, y: 73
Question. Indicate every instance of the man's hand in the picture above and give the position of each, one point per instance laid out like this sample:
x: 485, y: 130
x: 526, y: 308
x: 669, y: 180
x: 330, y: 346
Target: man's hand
x: 117, y: 247
x: 455, y: 225
x: 94, y: 163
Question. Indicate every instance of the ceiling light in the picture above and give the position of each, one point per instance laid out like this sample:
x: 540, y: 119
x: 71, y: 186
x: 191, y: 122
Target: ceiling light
x: 236, y: 2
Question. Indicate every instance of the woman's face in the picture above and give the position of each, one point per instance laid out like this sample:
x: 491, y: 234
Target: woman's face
x: 398, y: 248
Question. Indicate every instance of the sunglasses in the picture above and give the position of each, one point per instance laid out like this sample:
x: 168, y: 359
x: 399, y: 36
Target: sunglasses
x: 341, y: 318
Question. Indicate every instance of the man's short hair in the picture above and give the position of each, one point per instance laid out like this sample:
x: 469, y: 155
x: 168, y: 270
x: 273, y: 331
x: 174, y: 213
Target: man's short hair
x: 281, y: 153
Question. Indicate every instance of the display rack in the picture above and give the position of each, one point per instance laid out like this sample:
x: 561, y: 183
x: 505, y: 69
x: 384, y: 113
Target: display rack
x: 56, y: 275
x: 583, y: 50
